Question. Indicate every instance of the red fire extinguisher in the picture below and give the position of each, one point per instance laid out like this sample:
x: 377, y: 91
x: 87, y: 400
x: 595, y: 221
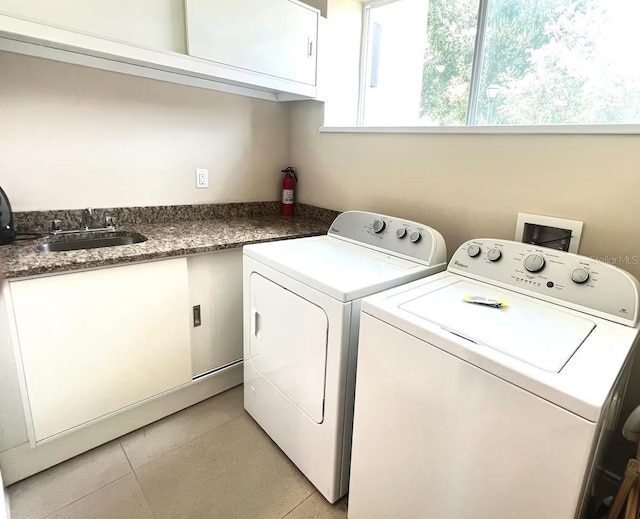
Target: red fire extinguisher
x: 288, y: 186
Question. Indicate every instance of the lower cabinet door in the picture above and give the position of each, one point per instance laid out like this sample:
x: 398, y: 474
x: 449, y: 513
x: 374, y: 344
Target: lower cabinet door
x: 94, y: 342
x: 215, y: 290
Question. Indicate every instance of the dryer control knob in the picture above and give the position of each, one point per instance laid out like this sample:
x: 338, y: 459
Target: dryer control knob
x: 415, y: 237
x: 494, y: 254
x: 473, y: 251
x: 534, y: 262
x: 580, y: 276
x: 379, y: 226
x: 401, y: 233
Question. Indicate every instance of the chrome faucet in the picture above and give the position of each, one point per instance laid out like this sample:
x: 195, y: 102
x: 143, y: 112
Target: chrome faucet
x: 86, y: 224
x: 87, y: 219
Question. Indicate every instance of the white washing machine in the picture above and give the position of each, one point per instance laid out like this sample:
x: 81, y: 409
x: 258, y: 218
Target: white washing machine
x: 301, y: 315
x: 497, y: 410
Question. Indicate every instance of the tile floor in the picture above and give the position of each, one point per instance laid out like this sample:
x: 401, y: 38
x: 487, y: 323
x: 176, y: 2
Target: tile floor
x: 208, y: 461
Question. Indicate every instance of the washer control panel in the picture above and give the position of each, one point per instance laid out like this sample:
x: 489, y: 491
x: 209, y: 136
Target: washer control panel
x: 560, y: 277
x: 395, y: 235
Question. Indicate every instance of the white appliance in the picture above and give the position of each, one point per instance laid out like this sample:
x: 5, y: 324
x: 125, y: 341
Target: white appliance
x: 301, y: 315
x: 4, y: 501
x: 469, y: 411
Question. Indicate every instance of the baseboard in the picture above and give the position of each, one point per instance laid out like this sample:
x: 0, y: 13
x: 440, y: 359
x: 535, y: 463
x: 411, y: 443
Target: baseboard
x: 23, y: 461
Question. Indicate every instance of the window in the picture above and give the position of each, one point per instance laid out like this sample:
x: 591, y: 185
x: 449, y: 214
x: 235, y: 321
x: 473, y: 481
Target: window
x: 500, y: 62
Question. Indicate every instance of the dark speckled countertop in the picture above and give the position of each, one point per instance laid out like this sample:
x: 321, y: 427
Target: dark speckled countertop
x: 165, y: 240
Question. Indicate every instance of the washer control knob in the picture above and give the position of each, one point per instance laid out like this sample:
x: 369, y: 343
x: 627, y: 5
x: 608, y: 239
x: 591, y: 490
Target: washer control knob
x: 379, y: 226
x: 415, y: 237
x: 534, y: 262
x: 473, y: 251
x: 494, y: 254
x: 401, y: 233
x: 579, y: 276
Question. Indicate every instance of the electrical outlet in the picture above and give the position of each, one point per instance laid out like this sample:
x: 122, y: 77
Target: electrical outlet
x: 202, y: 178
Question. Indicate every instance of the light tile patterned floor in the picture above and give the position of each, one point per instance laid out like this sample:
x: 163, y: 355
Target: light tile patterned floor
x: 208, y: 461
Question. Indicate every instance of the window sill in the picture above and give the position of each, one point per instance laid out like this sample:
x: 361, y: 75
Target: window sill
x: 594, y: 129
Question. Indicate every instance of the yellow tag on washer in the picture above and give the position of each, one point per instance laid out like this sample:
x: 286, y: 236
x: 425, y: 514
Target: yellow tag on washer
x: 485, y: 301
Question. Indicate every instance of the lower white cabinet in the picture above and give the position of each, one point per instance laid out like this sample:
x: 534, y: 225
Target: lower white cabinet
x: 215, y: 292
x: 94, y: 342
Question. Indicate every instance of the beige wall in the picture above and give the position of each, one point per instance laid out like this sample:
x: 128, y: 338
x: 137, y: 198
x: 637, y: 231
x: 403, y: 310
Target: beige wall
x: 470, y: 186
x: 73, y: 137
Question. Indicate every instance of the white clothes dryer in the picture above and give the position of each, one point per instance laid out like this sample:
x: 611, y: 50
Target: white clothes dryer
x: 489, y: 391
x: 301, y: 316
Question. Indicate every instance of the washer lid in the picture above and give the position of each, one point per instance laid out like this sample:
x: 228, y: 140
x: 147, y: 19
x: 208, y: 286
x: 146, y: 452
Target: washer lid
x: 536, y: 333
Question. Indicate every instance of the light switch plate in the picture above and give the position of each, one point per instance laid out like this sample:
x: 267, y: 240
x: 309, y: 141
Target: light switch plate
x: 202, y: 178
x: 549, y: 231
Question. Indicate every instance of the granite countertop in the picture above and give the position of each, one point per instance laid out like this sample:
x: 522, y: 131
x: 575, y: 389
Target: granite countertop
x: 165, y: 240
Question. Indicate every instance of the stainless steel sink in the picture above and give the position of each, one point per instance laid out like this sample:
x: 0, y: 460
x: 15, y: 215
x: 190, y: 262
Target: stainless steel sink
x: 92, y: 241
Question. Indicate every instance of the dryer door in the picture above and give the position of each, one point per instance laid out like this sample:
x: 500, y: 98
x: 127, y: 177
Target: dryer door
x: 288, y: 344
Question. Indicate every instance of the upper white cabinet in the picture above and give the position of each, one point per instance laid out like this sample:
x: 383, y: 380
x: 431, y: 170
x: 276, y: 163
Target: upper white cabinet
x: 273, y: 37
x: 158, y: 24
x: 258, y: 48
x: 94, y: 342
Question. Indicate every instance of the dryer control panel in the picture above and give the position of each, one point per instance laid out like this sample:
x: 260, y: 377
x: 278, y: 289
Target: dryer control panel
x: 579, y: 282
x: 404, y: 238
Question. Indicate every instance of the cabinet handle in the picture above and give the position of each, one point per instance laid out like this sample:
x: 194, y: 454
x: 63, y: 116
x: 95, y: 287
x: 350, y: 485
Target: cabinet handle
x: 309, y: 47
x: 197, y: 317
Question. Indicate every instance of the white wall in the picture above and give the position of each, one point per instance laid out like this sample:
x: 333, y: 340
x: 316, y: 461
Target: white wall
x: 74, y: 137
x: 154, y: 23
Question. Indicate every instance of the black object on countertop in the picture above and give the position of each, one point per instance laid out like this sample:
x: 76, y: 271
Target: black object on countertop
x: 7, y: 229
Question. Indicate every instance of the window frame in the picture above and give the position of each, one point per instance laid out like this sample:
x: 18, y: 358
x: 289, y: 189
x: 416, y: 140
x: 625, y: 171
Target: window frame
x: 478, y: 60
x: 469, y: 127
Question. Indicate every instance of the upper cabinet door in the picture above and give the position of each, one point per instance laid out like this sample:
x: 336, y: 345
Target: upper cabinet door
x: 272, y: 37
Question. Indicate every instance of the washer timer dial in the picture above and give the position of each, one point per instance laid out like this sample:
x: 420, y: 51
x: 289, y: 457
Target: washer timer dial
x: 534, y: 262
x: 379, y: 226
